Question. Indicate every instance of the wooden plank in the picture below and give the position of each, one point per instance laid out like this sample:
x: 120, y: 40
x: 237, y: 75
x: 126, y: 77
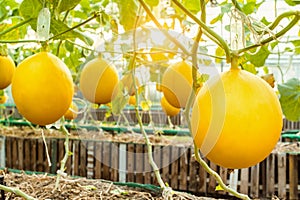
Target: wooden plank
x: 166, y: 151
x: 15, y: 163
x: 147, y: 167
x: 293, y: 176
x: 122, y: 162
x: 47, y: 166
x: 69, y: 161
x: 106, y: 160
x: 183, y: 169
x: 270, y: 175
x: 60, y: 151
x: 54, y: 156
x: 212, y: 181
x: 98, y: 158
x: 114, y: 161
x: 75, y: 158
x: 90, y: 159
x: 262, y: 177
x: 254, y: 188
x: 223, y: 174
x: 233, y: 179
x: 33, y: 155
x: 2, y: 151
x: 157, y: 159
x: 244, y: 184
x: 83, y: 159
x: 130, y: 162
x: 203, y: 179
x: 40, y: 155
x: 174, y: 167
x: 139, y: 163
x: 193, y: 169
x: 8, y: 152
x: 281, y: 175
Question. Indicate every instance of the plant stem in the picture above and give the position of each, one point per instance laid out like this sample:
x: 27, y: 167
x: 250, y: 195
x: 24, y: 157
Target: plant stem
x: 209, y: 32
x: 217, y: 177
x: 66, y: 156
x: 96, y: 14
x: 139, y: 119
x: 277, y: 35
x: 15, y: 26
x: 19, y: 41
x: 17, y: 192
x: 165, y: 32
x: 236, y: 5
x: 280, y: 17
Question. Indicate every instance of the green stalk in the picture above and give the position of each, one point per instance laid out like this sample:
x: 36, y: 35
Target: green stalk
x: 139, y: 119
x: 96, y: 14
x: 217, y: 177
x: 282, y: 16
x: 277, y: 35
x: 236, y: 5
x: 18, y: 41
x: 207, y: 30
x: 15, y: 26
x: 66, y: 156
x: 17, y: 192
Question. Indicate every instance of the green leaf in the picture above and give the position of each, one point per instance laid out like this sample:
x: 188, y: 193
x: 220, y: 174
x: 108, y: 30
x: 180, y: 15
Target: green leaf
x: 3, y: 12
x: 58, y: 27
x: 192, y: 5
x: 128, y: 13
x: 291, y: 2
x: 259, y: 58
x: 119, y: 101
x: 216, y: 19
x: 265, y: 21
x: 152, y: 3
x: 219, y: 188
x: 273, y: 44
x: 250, y: 68
x: 30, y: 8
x: 290, y: 99
x: 67, y: 5
x: 296, y: 43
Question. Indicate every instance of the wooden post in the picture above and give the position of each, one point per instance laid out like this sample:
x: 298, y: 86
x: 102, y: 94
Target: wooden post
x: 75, y: 158
x: 2, y: 151
x: 212, y: 181
x: 8, y: 152
x: 157, y: 159
x: 282, y: 175
x: 27, y: 154
x: 293, y: 176
x: 203, y: 179
x: 183, y: 169
x: 98, y: 161
x: 114, y: 161
x: 174, y: 167
x: 40, y: 156
x: 223, y: 175
x: 90, y: 159
x: 233, y: 179
x: 193, y: 175
x: 54, y: 156
x: 106, y: 162
x: 244, y: 184
x: 166, y: 151
x: 270, y: 175
x: 254, y: 188
x: 122, y: 163
x: 15, y: 163
x: 147, y: 167
x: 139, y: 163
x: 130, y: 163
